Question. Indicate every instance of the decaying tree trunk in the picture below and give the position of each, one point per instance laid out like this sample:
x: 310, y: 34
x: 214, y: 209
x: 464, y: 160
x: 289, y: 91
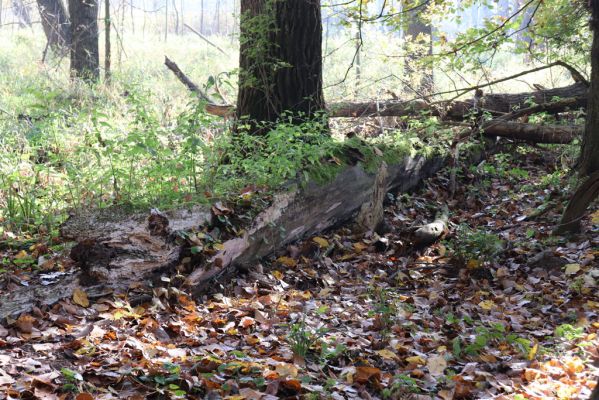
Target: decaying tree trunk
x: 495, y: 103
x: 532, y: 133
x: 117, y: 250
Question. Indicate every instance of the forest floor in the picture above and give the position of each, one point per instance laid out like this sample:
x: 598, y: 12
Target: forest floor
x: 497, y: 309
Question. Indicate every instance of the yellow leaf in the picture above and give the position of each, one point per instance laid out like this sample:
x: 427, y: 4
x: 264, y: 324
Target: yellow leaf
x: 360, y: 247
x: 436, y: 365
x: 418, y: 360
x: 21, y: 254
x: 287, y: 261
x: 595, y: 217
x: 387, y: 354
x: 287, y: 370
x: 473, y: 264
x: 321, y: 242
x: 532, y: 353
x: 277, y: 274
x: 80, y: 298
x: 219, y: 246
x: 571, y: 269
x: 487, y: 305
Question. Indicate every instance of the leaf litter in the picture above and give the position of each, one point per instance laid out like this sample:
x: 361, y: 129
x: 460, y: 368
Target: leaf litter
x: 497, y: 309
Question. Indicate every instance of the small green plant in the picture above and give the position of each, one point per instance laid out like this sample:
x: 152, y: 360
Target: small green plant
x: 383, y: 308
x: 486, y: 336
x: 73, y: 380
x: 401, y: 386
x: 469, y: 244
x: 301, y: 338
x: 569, y: 332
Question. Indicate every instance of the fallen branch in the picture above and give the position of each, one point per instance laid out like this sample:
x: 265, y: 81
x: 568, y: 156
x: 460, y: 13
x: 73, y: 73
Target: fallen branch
x: 185, y: 80
x: 559, y: 134
x: 204, y: 38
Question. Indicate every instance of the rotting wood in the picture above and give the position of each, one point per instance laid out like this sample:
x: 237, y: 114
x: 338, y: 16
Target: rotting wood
x: 115, y: 249
x: 497, y: 104
x: 559, y: 134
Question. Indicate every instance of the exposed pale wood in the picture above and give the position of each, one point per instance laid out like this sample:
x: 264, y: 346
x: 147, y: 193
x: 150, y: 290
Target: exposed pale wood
x: 115, y: 249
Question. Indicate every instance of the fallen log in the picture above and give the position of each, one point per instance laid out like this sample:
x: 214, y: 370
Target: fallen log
x: 116, y: 250
x: 494, y: 103
x: 558, y: 134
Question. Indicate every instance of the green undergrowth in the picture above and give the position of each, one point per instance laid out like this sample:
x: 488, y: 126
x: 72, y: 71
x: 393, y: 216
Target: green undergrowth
x: 90, y: 148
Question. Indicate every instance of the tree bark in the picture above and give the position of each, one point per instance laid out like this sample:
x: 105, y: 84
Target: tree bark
x: 558, y: 134
x: 56, y: 24
x: 419, y: 44
x: 584, y: 195
x: 280, y: 60
x: 589, y: 157
x: 495, y: 103
x: 85, y: 57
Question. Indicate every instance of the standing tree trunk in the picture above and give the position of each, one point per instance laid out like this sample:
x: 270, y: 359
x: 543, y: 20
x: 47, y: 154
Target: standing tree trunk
x: 588, y: 166
x: 589, y: 157
x: 21, y: 10
x: 419, y: 44
x: 55, y: 22
x: 107, y: 50
x: 85, y: 58
x: 280, y: 60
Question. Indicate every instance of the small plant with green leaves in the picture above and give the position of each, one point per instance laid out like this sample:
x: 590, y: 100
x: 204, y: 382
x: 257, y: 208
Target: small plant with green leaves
x: 401, y: 386
x: 487, y: 336
x: 302, y: 339
x: 383, y: 309
x: 469, y: 244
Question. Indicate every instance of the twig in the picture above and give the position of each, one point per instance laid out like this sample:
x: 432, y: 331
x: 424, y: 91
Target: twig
x: 204, y: 38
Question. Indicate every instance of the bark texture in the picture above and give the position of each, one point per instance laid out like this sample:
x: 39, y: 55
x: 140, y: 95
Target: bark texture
x: 584, y: 195
x: 117, y: 251
x: 589, y: 157
x: 85, y: 57
x: 56, y: 24
x: 558, y: 134
x: 280, y: 60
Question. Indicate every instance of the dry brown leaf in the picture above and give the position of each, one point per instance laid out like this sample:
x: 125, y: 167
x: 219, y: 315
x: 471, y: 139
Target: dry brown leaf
x: 80, y: 298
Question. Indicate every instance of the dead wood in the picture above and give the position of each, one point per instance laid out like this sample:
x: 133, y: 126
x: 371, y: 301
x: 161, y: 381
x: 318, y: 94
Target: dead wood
x: 431, y: 232
x: 185, y: 80
x: 559, y: 134
x: 581, y: 199
x: 115, y: 249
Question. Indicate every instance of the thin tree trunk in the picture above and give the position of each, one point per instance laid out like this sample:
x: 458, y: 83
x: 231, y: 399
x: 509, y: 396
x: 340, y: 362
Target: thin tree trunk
x: 202, y: 17
x: 107, y: 50
x: 56, y: 24
x: 166, y: 21
x: 358, y: 62
x: 176, y: 17
x: 85, y: 58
